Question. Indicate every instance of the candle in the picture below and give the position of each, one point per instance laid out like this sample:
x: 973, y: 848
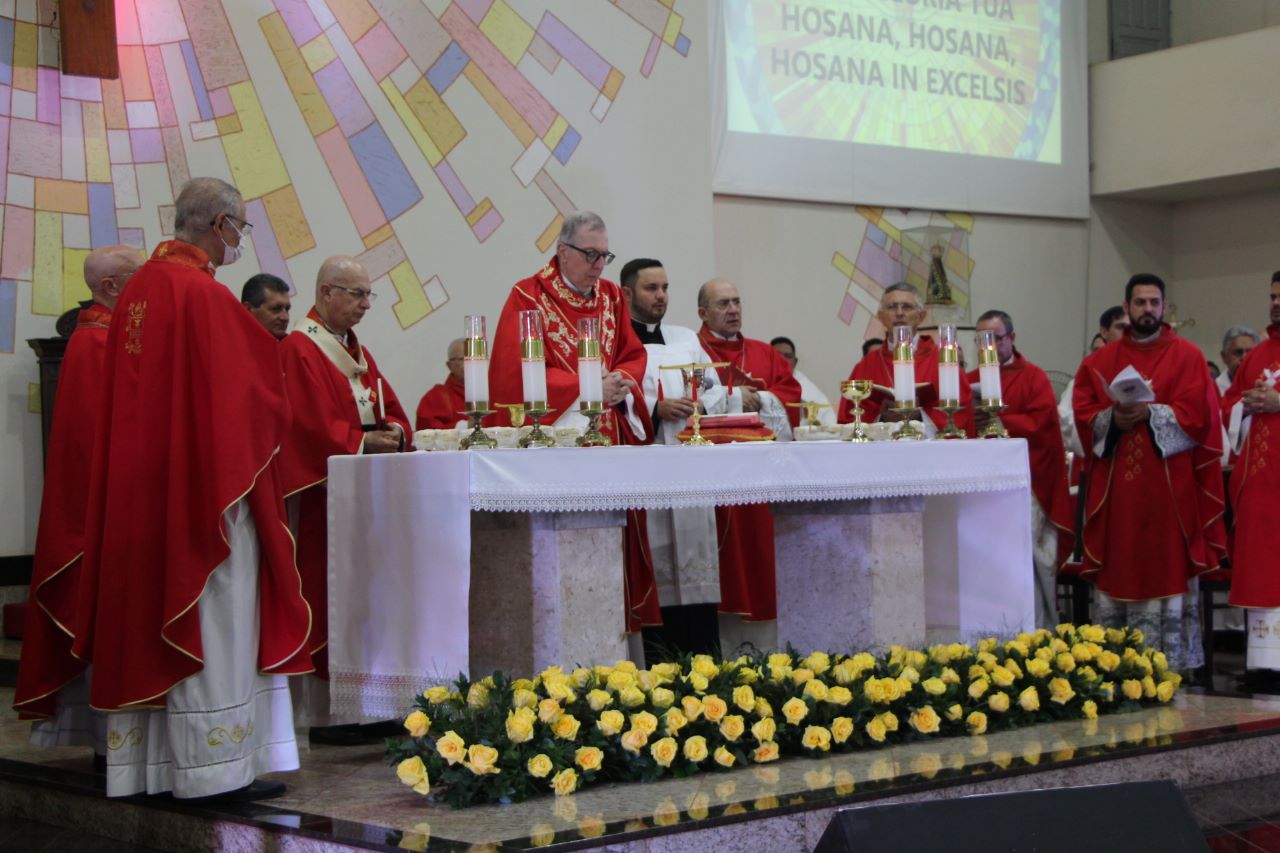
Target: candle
x: 948, y: 366
x: 475, y: 363
x: 382, y: 405
x: 988, y: 367
x: 904, y: 366
x: 590, y: 368
x: 533, y: 365
x: 697, y: 380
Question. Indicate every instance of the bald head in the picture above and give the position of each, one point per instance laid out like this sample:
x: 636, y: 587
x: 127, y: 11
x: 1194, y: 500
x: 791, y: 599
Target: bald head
x: 720, y: 307
x: 107, y: 269
x: 343, y: 293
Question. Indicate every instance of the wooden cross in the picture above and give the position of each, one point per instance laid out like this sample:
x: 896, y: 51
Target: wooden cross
x: 88, y: 32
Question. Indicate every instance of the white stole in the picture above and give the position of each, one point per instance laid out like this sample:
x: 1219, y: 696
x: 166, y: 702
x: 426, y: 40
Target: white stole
x: 349, y: 367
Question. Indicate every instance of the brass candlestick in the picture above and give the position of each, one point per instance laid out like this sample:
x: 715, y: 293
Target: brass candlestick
x: 855, y: 391
x: 696, y: 440
x: 592, y: 437
x: 951, y: 431
x: 907, y: 431
x: 995, y: 427
x: 536, y: 437
x: 478, y: 438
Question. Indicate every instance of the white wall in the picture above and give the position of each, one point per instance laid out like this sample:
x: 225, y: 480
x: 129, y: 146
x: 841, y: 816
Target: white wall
x: 1198, y: 20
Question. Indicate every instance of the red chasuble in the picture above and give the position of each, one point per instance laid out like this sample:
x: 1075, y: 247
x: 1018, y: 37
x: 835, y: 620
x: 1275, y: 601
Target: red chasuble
x: 747, y: 560
x: 1255, y: 486
x: 193, y: 414
x: 334, y: 390
x: 1151, y: 523
x: 877, y: 366
x: 439, y: 408
x: 620, y: 350
x: 1031, y: 412
x: 47, y: 663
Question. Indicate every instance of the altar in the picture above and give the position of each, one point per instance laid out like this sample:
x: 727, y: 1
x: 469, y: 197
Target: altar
x: 452, y: 562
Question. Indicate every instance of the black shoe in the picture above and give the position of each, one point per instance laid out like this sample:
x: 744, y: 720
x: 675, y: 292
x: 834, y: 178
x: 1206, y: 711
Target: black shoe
x: 99, y: 764
x: 251, y: 793
x: 378, y: 732
x: 348, y: 735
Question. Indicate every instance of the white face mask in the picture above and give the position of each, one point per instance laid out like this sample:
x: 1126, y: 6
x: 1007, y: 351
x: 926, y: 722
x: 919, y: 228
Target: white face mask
x: 231, y: 253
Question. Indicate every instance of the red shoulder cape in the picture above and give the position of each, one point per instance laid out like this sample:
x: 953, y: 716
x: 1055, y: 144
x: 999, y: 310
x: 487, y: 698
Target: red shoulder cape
x: 47, y: 663
x: 194, y: 412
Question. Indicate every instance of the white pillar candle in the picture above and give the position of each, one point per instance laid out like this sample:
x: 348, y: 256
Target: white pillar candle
x: 989, y: 377
x: 590, y: 381
x: 533, y: 373
x: 475, y: 378
x: 904, y: 381
x: 949, y: 381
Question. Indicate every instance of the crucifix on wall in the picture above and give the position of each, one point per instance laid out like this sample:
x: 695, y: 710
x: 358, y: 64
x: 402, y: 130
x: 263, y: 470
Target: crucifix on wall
x: 88, y: 34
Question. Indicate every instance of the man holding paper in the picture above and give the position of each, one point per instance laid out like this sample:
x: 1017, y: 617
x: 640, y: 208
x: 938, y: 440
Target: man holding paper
x: 1031, y: 412
x: 1149, y: 422
x: 342, y: 405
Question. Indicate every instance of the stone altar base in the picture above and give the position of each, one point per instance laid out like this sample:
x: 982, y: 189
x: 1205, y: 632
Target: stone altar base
x: 547, y: 589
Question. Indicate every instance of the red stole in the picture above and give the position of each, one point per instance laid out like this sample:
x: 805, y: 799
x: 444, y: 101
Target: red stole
x: 1152, y: 523
x: 1031, y: 412
x: 754, y: 363
x: 193, y: 414
x: 1255, y: 485
x: 47, y: 663
x: 326, y: 423
x: 441, y: 407
x: 877, y: 366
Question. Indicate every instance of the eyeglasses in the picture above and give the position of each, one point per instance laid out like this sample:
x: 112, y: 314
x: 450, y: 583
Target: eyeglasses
x: 245, y: 227
x: 358, y: 293
x: 592, y: 255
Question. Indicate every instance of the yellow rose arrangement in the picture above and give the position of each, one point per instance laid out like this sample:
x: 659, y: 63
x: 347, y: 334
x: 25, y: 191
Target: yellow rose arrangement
x: 496, y: 739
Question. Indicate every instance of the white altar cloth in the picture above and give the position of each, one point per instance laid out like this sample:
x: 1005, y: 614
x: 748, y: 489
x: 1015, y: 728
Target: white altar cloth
x: 400, y: 532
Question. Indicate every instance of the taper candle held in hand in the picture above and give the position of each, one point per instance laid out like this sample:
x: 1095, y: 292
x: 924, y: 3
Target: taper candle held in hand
x: 989, y: 367
x: 904, y: 365
x: 475, y: 362
x: 948, y: 365
x: 590, y: 376
x: 533, y: 365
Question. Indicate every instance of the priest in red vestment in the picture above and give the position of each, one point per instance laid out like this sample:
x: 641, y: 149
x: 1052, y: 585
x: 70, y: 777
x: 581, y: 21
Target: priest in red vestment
x: 342, y: 405
x: 760, y: 380
x: 1031, y: 412
x: 441, y: 407
x: 47, y: 664
x: 567, y: 289
x: 1153, y: 513
x: 1252, y: 408
x: 900, y: 306
x: 190, y: 607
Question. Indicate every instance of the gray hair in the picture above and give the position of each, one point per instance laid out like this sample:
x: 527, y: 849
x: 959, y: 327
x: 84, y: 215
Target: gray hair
x: 1239, y: 332
x: 905, y: 288
x: 582, y: 220
x: 200, y: 202
x: 997, y: 314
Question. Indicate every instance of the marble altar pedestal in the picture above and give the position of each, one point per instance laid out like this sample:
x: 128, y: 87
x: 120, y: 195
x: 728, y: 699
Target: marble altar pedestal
x: 547, y: 589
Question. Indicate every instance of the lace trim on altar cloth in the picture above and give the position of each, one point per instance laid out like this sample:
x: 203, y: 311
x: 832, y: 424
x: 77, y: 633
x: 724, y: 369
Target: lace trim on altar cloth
x: 369, y: 696
x: 1166, y: 433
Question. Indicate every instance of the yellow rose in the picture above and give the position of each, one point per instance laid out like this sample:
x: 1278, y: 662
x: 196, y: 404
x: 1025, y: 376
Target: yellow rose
x: 745, y: 698
x: 625, y: 666
x: 748, y: 675
x: 1060, y: 691
x: 635, y: 740
x: 714, y: 708
x: 539, y: 766
x: 732, y: 727
x: 560, y: 691
x: 1045, y: 654
x: 818, y: 662
x: 839, y: 696
x: 815, y: 690
x: 549, y: 711
x: 481, y: 759
x: 1164, y: 691
x: 763, y: 730
x: 697, y: 681
x: 925, y: 720
x: 801, y: 676
x: 692, y: 706
x: 955, y: 712
x: 934, y: 686
x: 876, y: 730
x: 1108, y: 689
x: 619, y: 681
x: 478, y: 695
x: 816, y: 737
x: 767, y: 751
x: 417, y: 724
x: 978, y: 688
x: 1090, y: 709
x: 1029, y: 699
x: 724, y: 757
x: 841, y: 729
x: 664, y: 751
x: 631, y: 697
x: 1065, y: 662
x: 911, y: 675
x: 779, y: 659
x: 1108, y: 661
x: 1002, y: 676
x: 673, y: 721
x: 1115, y: 636
x: 1037, y: 667
x: 1132, y: 689
x: 565, y: 782
x: 976, y: 722
x: 666, y: 672
x: 588, y: 758
x: 598, y: 700
x: 520, y: 725
x: 645, y: 722
x: 1093, y: 633
x: 1148, y: 687
x: 890, y: 721
x: 794, y: 710
x: 436, y: 695
x: 610, y: 723
x: 413, y: 773
x: 661, y: 697
x: 695, y: 749
x: 565, y: 728
x: 1160, y: 662
x: 763, y: 708
x: 451, y: 747
x: 705, y: 666
x: 524, y: 698
x: 581, y: 676
x: 999, y: 702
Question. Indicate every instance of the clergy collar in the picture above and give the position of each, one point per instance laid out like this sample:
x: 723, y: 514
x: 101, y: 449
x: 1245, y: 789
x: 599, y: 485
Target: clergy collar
x: 651, y: 327
x: 343, y: 338
x: 716, y: 334
x: 585, y: 294
x: 1149, y: 338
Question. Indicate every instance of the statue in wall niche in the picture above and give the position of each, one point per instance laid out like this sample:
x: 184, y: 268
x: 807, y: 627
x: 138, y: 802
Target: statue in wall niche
x: 939, y: 291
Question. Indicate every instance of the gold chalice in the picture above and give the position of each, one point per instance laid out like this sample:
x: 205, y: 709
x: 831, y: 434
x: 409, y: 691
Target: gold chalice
x: 855, y: 391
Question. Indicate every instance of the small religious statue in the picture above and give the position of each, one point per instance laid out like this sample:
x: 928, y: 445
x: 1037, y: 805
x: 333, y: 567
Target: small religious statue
x: 939, y: 292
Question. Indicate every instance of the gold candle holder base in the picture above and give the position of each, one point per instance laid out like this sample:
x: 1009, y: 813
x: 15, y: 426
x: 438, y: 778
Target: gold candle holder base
x: 536, y: 437
x: 478, y: 439
x: 951, y: 431
x: 696, y: 440
x: 995, y: 427
x: 593, y: 437
x: 907, y: 431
